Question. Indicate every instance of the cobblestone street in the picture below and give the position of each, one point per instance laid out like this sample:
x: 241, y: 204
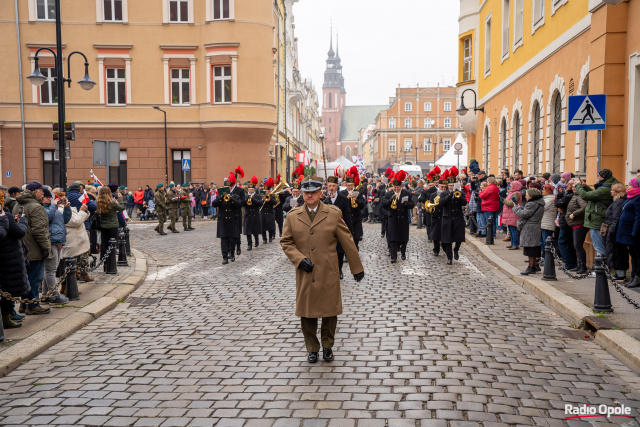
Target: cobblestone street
x: 420, y: 343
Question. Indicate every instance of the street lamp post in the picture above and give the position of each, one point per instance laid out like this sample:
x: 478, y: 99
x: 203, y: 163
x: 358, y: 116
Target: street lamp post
x: 37, y: 78
x: 166, y: 159
x: 462, y: 110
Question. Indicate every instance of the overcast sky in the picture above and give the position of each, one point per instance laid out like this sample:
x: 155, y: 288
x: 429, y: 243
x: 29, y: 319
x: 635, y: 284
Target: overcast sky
x: 382, y: 44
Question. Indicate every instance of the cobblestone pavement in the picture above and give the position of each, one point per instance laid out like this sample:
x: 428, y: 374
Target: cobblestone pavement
x: 420, y: 344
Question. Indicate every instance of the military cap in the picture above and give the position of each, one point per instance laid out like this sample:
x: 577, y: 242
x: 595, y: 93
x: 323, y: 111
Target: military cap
x: 159, y: 185
x: 122, y: 187
x: 186, y: 184
x: 349, y: 179
x: 311, y: 184
x: 295, y: 185
x: 172, y: 185
x: 333, y: 179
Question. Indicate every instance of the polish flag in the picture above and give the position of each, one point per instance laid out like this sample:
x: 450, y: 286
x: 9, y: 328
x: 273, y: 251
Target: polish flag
x: 95, y: 179
x: 84, y: 198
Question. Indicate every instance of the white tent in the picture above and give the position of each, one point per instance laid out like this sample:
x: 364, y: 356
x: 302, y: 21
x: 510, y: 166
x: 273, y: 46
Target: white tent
x: 449, y: 159
x: 331, y: 167
x: 343, y: 161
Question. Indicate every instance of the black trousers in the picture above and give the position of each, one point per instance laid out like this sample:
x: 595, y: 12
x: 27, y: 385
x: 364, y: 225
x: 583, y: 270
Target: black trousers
x: 93, y: 241
x: 634, y: 251
x: 309, y: 328
x: 436, y: 246
x: 255, y: 236
x: 448, y: 248
x: 105, y: 235
x: 272, y: 234
x: 227, y: 245
x: 395, y: 246
x: 340, y: 259
x: 279, y: 221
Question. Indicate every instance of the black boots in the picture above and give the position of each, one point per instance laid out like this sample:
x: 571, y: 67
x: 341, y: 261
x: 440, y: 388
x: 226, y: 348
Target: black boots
x: 232, y: 257
x: 312, y: 357
x: 449, y: 261
x: 456, y: 256
x: 634, y: 282
x: 327, y: 354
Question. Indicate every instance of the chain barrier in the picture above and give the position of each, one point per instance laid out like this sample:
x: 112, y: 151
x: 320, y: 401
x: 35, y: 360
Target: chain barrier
x: 473, y: 218
x: 560, y: 264
x: 104, y: 258
x: 618, y: 288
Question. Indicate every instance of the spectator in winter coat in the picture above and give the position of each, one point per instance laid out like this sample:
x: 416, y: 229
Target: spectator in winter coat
x: 548, y: 223
x: 473, y: 166
x: 74, y: 194
x: 565, y: 238
x: 108, y: 209
x: 575, y: 219
x: 138, y: 199
x: 36, y: 240
x: 509, y: 218
x: 476, y: 188
x: 77, y: 239
x: 148, y: 195
x: 628, y: 229
x: 490, y: 196
x: 529, y: 224
x: 59, y: 214
x: 598, y: 199
x: 616, y: 253
x: 129, y: 203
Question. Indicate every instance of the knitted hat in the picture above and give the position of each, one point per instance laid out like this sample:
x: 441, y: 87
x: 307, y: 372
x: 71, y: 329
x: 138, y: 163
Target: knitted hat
x: 113, y: 187
x: 605, y: 173
x: 47, y: 193
x: 96, y: 185
x: 75, y: 186
x: 34, y: 185
x: 555, y: 178
x: 566, y: 176
x: 533, y: 192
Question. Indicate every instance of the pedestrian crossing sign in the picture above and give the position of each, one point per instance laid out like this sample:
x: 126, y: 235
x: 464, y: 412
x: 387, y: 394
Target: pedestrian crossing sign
x: 186, y: 164
x: 588, y: 112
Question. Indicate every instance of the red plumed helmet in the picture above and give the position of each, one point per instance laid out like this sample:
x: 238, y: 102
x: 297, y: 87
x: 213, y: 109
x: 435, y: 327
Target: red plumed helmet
x: 278, y: 178
x: 388, y: 171
x: 232, y: 178
x: 254, y: 180
x: 453, y: 171
x: 437, y: 170
x: 301, y: 178
x: 269, y: 183
x: 391, y: 175
x: 356, y: 179
x: 299, y: 170
x: 239, y: 171
x: 401, y: 175
x: 445, y: 175
x: 354, y: 171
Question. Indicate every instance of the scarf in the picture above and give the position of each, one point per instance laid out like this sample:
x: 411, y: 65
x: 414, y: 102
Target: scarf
x: 635, y: 190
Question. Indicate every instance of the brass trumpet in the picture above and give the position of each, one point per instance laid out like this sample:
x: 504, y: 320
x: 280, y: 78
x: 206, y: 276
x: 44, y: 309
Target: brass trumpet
x: 250, y: 201
x: 394, y: 202
x: 457, y: 194
x: 431, y: 207
x: 226, y: 197
x: 354, y: 204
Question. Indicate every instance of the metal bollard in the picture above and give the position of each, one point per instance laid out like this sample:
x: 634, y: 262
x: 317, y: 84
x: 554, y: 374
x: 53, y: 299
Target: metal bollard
x: 71, y: 282
x: 602, y: 298
x: 489, y: 229
x: 127, y: 241
x: 122, y: 250
x: 472, y: 225
x: 549, y: 272
x: 110, y: 263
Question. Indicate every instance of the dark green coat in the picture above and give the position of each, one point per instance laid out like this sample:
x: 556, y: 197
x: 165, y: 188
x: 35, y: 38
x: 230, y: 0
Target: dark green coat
x: 37, y: 238
x: 109, y: 219
x: 598, y: 200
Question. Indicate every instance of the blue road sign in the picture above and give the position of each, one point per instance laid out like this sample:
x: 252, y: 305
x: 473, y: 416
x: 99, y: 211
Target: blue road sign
x: 186, y: 165
x: 8, y: 174
x: 588, y: 112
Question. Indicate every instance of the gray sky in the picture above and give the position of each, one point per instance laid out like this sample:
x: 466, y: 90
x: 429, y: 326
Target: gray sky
x: 412, y: 42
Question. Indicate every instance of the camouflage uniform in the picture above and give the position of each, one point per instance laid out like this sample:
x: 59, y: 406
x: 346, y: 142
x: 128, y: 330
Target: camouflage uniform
x: 185, y: 207
x: 161, y: 208
x: 173, y: 198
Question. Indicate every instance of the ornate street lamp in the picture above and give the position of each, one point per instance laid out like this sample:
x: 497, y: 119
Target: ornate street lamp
x: 463, y: 110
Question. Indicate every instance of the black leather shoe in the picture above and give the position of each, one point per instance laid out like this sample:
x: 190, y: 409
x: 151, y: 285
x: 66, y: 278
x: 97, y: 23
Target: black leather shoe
x: 312, y: 357
x: 191, y: 228
x: 528, y: 271
x: 238, y: 251
x: 449, y: 261
x: 436, y: 253
x: 327, y: 354
x: 163, y: 233
x: 249, y: 248
x: 394, y: 260
x: 270, y: 239
x: 232, y: 257
x: 257, y: 244
x: 225, y: 261
x: 173, y: 230
x: 634, y: 283
x: 403, y: 257
x: 264, y: 241
x: 156, y: 229
x: 456, y: 255
x: 341, y: 275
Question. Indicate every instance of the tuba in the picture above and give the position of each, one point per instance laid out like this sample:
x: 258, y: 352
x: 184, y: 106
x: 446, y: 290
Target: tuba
x: 431, y: 207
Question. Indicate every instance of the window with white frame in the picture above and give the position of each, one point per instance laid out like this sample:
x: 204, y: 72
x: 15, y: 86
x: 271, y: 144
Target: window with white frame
x: 447, y: 106
x: 427, y: 106
x: 427, y: 123
x: 221, y: 9
x: 518, y: 22
x: 45, y: 10
x: 392, y: 145
x: 556, y: 4
x: 407, y: 107
x: 408, y: 144
x: 49, y: 89
x: 180, y: 86
x: 487, y: 46
x: 506, y: 12
x: 407, y: 123
x: 427, y: 144
x: 467, y: 52
x: 447, y: 123
x: 116, y: 86
x: 446, y: 144
x: 222, y: 84
x: 537, y: 18
x: 392, y: 123
x: 178, y: 11
x: 112, y: 10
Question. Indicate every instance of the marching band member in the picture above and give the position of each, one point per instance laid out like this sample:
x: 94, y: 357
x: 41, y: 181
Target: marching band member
x: 252, y: 222
x: 356, y: 203
x: 267, y: 212
x: 398, y: 202
x: 341, y: 202
x: 228, y: 207
x: 453, y: 202
x: 436, y: 213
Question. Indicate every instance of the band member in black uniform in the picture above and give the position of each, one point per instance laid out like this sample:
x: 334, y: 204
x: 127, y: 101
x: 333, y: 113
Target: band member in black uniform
x: 425, y: 197
x: 362, y: 189
x: 280, y: 199
x: 252, y: 222
x: 356, y: 202
x: 399, y: 203
x: 267, y: 212
x: 295, y: 200
x: 238, y: 191
x: 453, y: 202
x: 228, y: 207
x: 382, y: 212
x: 342, y: 203
x: 436, y: 214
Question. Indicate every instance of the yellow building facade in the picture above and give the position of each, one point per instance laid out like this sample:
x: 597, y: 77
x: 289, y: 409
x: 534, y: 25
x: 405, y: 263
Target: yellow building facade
x: 216, y: 67
x: 524, y: 58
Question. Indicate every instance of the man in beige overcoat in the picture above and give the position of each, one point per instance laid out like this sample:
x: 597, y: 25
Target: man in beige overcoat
x: 309, y: 240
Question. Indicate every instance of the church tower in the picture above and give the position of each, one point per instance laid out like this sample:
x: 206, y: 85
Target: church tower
x: 333, y: 101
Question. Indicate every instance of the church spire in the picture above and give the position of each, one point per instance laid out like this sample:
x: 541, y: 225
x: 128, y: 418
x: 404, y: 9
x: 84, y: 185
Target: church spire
x: 331, y: 54
x: 338, y: 65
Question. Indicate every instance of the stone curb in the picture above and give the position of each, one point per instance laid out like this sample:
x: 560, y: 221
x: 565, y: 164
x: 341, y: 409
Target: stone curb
x: 37, y: 343
x: 617, y: 342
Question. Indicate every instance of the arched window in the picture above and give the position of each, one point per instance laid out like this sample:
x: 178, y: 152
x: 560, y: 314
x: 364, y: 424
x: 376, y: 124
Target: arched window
x: 516, y: 141
x: 487, y: 149
x: 505, y: 139
x: 557, y: 133
x: 347, y: 153
x: 535, y: 139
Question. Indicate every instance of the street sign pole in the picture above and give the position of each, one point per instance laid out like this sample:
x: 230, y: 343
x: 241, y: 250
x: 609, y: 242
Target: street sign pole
x: 599, y: 154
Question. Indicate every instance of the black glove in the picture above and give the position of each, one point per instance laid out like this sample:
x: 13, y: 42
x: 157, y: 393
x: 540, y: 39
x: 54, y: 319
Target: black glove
x: 306, y: 265
x: 358, y: 277
x: 45, y: 254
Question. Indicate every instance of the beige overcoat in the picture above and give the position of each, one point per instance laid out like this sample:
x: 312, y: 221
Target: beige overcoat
x: 318, y: 293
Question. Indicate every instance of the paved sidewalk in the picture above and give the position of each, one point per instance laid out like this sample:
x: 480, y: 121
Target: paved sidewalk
x: 42, y: 331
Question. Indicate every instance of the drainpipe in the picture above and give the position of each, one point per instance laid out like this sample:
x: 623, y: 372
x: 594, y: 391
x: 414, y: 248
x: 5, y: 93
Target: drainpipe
x: 24, y: 148
x: 278, y: 102
x: 286, y: 101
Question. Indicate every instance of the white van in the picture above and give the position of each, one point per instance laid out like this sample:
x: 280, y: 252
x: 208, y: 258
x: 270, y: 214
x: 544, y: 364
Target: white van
x: 412, y: 170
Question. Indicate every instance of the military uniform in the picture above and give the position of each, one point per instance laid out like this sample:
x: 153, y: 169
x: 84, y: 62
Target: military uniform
x: 279, y: 211
x: 398, y: 222
x: 268, y: 218
x: 425, y: 197
x: 342, y: 203
x: 241, y: 196
x: 453, y: 222
x: 185, y: 207
x: 160, y: 199
x: 252, y: 223
x: 293, y: 202
x: 436, y: 222
x: 356, y: 215
x: 227, y: 226
x: 173, y: 198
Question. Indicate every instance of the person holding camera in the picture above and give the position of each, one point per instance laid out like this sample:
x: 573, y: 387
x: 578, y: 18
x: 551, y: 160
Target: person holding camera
x: 59, y: 214
x: 37, y: 241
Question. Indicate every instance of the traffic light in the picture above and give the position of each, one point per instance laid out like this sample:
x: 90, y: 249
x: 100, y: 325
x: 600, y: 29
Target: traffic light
x: 69, y: 131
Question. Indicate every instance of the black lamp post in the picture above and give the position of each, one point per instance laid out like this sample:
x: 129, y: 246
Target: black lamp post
x: 418, y: 147
x: 37, y: 79
x: 462, y: 110
x: 166, y: 160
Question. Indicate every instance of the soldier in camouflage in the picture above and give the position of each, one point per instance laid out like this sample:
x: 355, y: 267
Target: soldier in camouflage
x: 185, y: 207
x: 173, y: 199
x: 160, y: 199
